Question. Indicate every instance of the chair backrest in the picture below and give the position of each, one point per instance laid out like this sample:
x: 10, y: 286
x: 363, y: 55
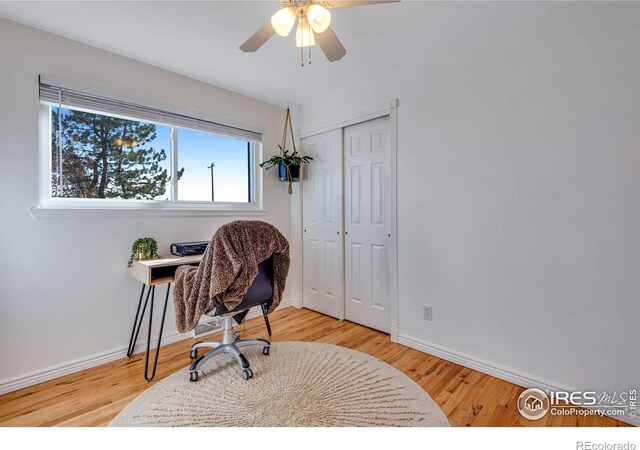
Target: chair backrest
x: 261, y: 289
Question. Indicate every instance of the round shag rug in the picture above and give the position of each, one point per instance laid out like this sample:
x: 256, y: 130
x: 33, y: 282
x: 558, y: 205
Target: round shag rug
x: 298, y: 384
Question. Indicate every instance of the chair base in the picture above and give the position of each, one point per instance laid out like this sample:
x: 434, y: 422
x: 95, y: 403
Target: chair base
x: 230, y: 344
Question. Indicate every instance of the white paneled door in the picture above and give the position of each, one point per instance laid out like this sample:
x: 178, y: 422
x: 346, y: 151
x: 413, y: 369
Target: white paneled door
x: 367, y: 223
x: 323, y: 273
x: 346, y: 221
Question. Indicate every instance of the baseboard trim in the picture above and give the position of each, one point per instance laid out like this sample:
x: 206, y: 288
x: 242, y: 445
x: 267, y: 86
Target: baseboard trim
x: 50, y: 373
x: 77, y: 365
x: 296, y: 302
x: 393, y: 334
x: 495, y: 370
x: 487, y: 367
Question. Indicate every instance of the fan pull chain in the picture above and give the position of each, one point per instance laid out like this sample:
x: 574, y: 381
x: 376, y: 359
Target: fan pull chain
x: 302, y: 56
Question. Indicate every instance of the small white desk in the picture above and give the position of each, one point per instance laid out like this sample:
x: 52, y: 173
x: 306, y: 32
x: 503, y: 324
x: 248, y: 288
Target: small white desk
x: 151, y: 273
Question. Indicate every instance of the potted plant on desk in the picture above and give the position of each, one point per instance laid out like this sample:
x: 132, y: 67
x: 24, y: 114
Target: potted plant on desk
x: 143, y: 248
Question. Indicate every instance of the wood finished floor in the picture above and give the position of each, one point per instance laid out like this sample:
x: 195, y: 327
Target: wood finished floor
x: 95, y: 396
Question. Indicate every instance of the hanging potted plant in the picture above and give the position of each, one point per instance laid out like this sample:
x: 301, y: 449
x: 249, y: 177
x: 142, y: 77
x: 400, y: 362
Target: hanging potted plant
x: 288, y: 163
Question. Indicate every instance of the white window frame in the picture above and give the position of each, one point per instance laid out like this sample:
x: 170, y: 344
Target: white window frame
x: 56, y: 207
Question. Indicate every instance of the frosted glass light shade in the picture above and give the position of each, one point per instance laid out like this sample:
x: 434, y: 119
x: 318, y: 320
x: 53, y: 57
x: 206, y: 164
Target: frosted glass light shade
x: 304, y: 35
x: 318, y: 17
x: 283, y: 21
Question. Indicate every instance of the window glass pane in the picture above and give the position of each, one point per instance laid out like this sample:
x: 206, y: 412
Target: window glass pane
x: 109, y: 157
x: 203, y: 155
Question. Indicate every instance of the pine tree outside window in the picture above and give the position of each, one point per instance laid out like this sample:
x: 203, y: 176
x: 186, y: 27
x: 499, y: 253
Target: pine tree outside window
x: 99, y: 156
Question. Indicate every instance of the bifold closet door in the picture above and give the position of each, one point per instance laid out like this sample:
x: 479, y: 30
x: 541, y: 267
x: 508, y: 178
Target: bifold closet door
x: 367, y: 181
x: 323, y: 270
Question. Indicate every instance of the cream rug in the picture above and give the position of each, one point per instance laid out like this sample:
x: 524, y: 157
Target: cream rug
x: 299, y: 384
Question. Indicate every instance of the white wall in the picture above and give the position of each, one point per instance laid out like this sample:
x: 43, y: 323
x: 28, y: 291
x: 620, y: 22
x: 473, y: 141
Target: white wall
x: 65, y: 293
x: 519, y: 195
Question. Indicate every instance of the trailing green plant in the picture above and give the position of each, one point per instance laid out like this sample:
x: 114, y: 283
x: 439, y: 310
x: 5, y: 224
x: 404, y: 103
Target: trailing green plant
x: 285, y: 158
x: 143, y: 248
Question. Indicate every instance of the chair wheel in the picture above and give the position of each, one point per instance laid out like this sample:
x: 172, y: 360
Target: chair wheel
x: 194, y: 354
x: 193, y: 376
x: 247, y: 373
x: 265, y: 351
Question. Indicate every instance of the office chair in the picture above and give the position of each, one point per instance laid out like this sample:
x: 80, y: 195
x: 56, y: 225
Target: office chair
x: 260, y: 293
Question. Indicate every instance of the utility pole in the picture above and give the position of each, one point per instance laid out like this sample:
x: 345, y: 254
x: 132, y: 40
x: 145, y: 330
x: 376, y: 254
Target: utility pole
x: 212, y: 191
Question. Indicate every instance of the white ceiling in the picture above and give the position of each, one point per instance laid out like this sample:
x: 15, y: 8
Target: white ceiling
x: 200, y: 39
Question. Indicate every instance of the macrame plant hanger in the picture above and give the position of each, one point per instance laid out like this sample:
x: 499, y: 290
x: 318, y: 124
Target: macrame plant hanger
x: 287, y: 124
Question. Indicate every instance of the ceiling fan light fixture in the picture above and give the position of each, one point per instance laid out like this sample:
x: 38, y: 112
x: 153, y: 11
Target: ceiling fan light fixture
x: 284, y: 20
x: 313, y: 26
x: 319, y: 17
x: 304, y: 34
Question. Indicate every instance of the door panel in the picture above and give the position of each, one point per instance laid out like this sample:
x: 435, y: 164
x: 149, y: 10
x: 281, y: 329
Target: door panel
x: 323, y: 284
x: 367, y: 223
x: 313, y: 279
x: 354, y: 271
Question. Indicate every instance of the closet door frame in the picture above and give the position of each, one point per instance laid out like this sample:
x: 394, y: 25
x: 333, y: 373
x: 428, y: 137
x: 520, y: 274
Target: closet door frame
x: 390, y: 109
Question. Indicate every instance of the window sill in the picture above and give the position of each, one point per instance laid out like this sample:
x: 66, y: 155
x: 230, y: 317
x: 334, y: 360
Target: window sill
x: 66, y: 212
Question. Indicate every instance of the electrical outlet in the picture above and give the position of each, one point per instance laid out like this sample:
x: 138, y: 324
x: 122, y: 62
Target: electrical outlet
x: 427, y: 313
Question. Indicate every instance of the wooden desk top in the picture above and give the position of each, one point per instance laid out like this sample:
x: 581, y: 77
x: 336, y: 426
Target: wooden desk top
x: 160, y: 271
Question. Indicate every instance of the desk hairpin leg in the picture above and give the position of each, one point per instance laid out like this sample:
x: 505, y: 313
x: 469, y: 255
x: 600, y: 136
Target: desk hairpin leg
x: 137, y: 323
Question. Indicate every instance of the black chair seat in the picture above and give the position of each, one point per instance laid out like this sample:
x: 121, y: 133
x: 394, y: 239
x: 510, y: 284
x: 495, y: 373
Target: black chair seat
x: 260, y: 291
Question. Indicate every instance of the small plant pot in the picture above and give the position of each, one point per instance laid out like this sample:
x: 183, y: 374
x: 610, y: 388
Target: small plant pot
x: 141, y: 255
x: 295, y: 172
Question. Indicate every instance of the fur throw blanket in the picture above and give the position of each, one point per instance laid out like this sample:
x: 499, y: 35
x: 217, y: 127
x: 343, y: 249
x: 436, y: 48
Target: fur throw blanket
x: 228, y: 268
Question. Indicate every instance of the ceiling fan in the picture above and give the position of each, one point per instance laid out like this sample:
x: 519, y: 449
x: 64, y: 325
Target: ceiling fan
x: 313, y: 19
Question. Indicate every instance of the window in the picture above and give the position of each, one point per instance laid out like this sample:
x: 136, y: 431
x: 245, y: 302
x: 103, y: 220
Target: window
x: 219, y: 164
x: 111, y: 153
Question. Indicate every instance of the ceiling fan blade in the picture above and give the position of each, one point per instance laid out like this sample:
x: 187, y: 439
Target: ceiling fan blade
x: 259, y: 38
x: 346, y: 3
x: 330, y: 45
